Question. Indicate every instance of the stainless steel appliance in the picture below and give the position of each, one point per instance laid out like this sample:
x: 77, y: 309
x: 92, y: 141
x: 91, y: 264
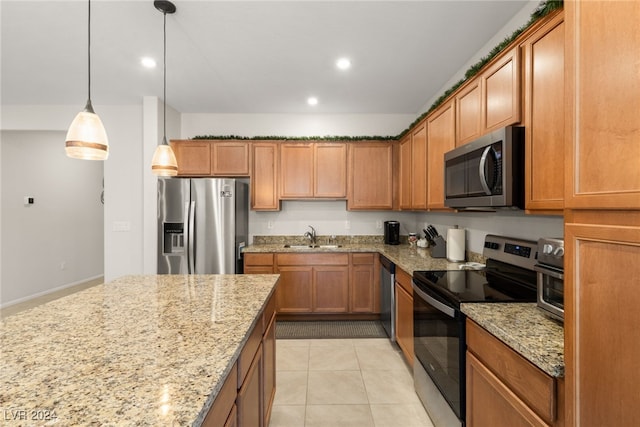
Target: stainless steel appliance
x: 202, y: 225
x: 550, y: 270
x: 487, y: 172
x: 439, y: 324
x: 391, y: 232
x: 388, y: 296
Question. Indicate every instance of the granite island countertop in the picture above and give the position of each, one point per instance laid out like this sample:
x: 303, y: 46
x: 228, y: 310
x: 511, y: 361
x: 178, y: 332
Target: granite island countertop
x: 524, y: 328
x: 144, y: 350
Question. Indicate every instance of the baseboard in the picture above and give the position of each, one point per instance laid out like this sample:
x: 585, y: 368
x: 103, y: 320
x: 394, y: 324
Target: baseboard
x: 86, y: 283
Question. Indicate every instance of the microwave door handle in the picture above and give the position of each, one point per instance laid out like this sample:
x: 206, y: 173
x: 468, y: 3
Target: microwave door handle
x: 449, y: 311
x: 481, y: 171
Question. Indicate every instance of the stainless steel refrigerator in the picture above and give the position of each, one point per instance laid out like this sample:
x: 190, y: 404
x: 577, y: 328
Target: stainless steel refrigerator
x: 202, y: 225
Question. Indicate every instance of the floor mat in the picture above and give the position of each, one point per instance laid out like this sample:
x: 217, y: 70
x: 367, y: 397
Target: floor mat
x: 329, y: 329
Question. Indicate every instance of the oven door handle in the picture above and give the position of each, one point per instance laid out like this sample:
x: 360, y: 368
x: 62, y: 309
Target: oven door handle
x: 449, y: 311
x: 548, y: 271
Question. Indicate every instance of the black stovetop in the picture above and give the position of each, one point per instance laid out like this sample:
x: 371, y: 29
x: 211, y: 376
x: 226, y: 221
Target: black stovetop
x: 498, y: 282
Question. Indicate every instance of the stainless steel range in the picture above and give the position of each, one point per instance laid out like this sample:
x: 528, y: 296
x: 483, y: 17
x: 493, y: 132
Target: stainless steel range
x: 439, y: 325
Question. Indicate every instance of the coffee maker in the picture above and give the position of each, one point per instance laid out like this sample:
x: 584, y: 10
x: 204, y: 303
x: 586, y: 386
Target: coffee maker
x: 391, y: 232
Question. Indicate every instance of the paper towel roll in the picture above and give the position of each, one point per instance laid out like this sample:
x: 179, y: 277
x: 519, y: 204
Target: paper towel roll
x: 455, y: 244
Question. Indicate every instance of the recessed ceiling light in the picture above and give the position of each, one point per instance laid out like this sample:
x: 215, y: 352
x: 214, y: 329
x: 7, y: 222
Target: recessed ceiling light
x: 312, y: 100
x: 343, y: 63
x: 148, y: 62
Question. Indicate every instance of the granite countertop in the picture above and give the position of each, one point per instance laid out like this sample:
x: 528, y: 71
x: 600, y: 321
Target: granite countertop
x: 144, y: 350
x: 407, y: 258
x: 524, y: 328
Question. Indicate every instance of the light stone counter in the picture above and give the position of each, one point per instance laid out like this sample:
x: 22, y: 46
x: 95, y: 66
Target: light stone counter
x: 407, y: 258
x: 524, y: 328
x: 141, y: 350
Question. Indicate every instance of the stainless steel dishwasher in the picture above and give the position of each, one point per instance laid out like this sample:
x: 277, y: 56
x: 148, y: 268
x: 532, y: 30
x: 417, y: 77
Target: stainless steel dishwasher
x: 388, y: 296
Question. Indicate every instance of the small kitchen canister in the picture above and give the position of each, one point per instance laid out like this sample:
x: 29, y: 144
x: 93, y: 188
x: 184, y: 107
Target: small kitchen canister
x: 456, y: 244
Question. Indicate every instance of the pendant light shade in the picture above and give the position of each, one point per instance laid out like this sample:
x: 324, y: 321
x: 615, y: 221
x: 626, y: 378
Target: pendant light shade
x: 86, y: 137
x: 164, y: 160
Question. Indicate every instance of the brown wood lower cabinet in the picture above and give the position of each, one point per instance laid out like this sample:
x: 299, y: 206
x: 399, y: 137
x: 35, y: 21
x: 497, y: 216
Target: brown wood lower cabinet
x: 337, y: 283
x: 249, y: 400
x: 503, y: 388
x: 404, y: 314
x: 246, y: 397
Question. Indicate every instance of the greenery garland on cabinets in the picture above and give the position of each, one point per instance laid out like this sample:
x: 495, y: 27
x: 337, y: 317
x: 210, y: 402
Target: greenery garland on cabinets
x: 544, y: 8
x: 299, y: 138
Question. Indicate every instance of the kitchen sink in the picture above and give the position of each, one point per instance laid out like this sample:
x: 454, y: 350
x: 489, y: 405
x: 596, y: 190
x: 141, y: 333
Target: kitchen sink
x: 312, y: 246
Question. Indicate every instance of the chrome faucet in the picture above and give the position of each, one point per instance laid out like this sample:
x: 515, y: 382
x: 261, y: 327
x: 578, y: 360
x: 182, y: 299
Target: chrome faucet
x: 311, y: 235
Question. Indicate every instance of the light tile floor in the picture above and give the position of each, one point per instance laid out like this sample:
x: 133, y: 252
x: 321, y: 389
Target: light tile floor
x: 344, y: 383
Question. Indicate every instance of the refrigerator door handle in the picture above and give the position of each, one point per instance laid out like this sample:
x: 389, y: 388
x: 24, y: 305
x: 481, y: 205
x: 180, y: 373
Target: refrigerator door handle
x: 191, y: 255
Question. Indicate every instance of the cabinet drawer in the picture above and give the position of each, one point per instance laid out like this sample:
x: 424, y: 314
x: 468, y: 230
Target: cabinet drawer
x: 404, y: 280
x: 368, y: 259
x: 533, y: 386
x: 312, y: 259
x: 248, y: 352
x: 258, y: 259
x: 223, y: 405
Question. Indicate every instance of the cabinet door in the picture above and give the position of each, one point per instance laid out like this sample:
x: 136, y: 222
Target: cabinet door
x: 193, y: 157
x: 269, y: 368
x: 603, y: 104
x: 441, y: 137
x: 468, y: 113
x: 602, y: 276
x: 370, y: 176
x: 365, y: 283
x: 296, y: 171
x: 295, y: 289
x: 330, y: 170
x: 544, y: 117
x: 490, y: 402
x: 419, y: 167
x: 404, y: 322
x: 501, y: 91
x: 264, y: 170
x: 330, y: 289
x: 249, y: 400
x: 230, y: 159
x: 405, y: 172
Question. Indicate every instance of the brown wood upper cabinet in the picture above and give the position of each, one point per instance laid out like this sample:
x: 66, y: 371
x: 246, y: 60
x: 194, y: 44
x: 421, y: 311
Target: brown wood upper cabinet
x: 313, y: 170
x: 370, y: 176
x: 491, y: 100
x: 264, y: 176
x: 544, y: 116
x: 603, y: 105
x: 413, y: 168
x: 212, y: 158
x: 441, y: 137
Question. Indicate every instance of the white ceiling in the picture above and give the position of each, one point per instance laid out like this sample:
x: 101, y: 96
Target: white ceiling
x: 244, y: 56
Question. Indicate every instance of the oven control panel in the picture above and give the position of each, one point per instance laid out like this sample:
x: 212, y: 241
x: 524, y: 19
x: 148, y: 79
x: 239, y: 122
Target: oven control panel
x: 511, y: 250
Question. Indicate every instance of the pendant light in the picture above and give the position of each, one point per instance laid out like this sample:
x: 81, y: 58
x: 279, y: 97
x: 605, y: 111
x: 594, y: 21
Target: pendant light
x: 86, y: 137
x: 164, y: 161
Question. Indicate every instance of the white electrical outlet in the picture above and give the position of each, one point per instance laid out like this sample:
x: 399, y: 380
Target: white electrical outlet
x: 270, y: 225
x: 379, y: 225
x: 347, y: 225
x: 63, y: 265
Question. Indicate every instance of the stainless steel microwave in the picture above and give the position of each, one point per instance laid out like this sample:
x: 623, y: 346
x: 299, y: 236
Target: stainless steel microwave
x: 487, y: 172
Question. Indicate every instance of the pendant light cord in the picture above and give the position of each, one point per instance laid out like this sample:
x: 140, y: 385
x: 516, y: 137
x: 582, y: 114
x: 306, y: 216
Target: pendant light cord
x: 89, y: 53
x: 164, y: 83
